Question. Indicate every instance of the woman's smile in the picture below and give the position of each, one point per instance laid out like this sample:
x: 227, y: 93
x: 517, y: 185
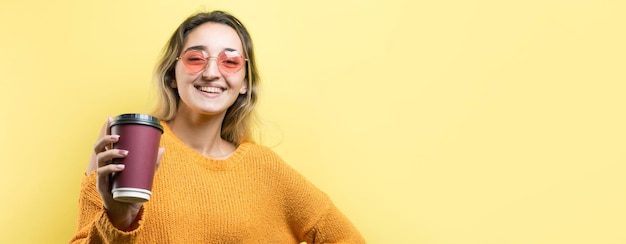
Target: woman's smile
x: 210, y: 89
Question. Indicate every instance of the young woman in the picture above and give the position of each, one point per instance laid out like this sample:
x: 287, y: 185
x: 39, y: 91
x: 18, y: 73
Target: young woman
x: 213, y: 184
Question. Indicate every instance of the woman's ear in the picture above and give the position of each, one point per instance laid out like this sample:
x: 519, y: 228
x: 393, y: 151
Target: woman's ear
x: 173, y: 84
x: 244, y: 88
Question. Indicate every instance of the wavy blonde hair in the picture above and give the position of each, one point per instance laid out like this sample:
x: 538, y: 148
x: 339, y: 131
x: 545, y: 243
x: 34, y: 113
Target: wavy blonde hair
x: 237, y: 124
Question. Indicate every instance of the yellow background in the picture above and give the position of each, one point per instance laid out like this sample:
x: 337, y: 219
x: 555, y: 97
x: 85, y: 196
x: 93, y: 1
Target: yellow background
x: 425, y: 121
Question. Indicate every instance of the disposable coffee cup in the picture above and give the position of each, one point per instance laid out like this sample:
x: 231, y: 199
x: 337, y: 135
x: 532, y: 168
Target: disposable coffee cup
x: 140, y: 135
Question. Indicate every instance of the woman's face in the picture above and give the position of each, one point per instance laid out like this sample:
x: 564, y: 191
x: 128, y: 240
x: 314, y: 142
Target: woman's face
x: 210, y: 71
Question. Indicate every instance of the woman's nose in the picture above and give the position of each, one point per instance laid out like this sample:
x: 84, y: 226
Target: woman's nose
x: 211, y: 70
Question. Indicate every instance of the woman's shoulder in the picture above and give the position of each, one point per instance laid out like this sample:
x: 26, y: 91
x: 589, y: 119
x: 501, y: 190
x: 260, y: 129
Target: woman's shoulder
x: 263, y: 156
x: 265, y: 162
x: 254, y: 149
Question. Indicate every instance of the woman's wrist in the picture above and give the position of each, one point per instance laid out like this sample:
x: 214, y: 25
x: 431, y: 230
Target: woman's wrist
x: 135, y: 222
x: 125, y: 222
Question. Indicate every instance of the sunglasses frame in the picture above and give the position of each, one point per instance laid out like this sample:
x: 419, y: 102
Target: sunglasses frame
x: 207, y: 57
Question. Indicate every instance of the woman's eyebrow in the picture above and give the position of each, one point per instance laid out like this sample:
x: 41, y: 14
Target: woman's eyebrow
x: 199, y: 47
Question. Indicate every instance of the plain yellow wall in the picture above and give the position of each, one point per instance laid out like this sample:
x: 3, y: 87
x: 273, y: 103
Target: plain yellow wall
x: 426, y: 121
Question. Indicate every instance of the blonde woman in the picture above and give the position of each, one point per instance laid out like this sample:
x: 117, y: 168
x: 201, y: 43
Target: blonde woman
x: 213, y: 183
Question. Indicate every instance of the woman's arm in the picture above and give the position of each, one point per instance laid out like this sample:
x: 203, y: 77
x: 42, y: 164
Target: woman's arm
x: 334, y: 227
x: 94, y: 225
x: 311, y: 213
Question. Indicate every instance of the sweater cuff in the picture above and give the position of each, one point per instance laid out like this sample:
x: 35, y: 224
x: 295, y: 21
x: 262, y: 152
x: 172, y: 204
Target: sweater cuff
x: 115, y: 235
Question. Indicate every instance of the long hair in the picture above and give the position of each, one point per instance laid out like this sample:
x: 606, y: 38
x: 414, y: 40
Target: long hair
x: 237, y: 124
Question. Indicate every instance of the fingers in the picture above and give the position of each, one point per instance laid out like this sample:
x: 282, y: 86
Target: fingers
x: 105, y: 171
x: 106, y: 168
x: 100, y: 145
x: 103, y: 142
x: 105, y: 158
x: 102, y: 181
x: 104, y: 138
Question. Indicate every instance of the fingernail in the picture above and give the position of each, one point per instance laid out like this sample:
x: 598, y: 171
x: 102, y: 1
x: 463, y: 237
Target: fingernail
x: 115, y: 137
x: 119, y: 166
x: 123, y: 152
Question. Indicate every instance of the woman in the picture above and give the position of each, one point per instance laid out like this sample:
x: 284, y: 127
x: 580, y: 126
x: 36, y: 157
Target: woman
x: 213, y: 184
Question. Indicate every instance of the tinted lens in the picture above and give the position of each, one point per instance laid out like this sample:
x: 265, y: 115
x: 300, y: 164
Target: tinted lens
x: 195, y: 60
x: 230, y: 61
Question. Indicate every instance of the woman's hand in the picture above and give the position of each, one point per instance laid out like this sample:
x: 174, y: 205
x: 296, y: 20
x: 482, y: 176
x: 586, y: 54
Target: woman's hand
x: 121, y: 214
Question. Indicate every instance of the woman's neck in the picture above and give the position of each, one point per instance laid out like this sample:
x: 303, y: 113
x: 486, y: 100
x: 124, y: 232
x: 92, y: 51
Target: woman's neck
x: 202, y: 133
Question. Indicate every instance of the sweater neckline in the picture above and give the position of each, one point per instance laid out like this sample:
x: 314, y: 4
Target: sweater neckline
x: 211, y: 163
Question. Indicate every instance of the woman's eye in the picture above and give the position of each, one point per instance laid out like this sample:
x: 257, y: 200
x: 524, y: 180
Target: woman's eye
x: 195, y: 60
x: 231, y: 62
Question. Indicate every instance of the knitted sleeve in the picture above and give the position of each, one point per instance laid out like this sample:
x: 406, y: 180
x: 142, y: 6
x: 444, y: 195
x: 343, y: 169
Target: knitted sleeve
x: 94, y: 225
x: 311, y: 213
x: 334, y: 227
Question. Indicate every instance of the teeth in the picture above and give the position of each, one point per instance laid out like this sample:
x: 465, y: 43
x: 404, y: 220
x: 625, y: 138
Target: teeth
x: 210, y: 89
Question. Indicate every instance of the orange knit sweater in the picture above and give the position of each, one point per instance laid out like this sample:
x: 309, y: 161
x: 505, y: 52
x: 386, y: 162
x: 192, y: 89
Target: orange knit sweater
x: 252, y: 197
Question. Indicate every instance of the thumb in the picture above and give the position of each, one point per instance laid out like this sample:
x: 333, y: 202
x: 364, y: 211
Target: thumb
x: 160, y: 156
